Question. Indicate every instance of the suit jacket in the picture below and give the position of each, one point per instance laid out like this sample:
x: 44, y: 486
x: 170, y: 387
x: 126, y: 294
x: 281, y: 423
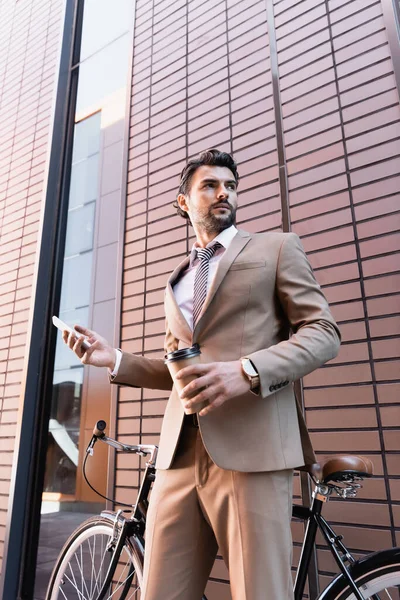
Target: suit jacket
x: 264, y: 303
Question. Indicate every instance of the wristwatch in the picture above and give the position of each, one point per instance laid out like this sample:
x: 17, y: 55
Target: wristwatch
x: 252, y: 375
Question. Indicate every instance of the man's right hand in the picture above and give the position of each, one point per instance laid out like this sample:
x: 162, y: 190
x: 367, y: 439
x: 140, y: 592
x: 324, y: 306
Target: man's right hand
x: 100, y: 353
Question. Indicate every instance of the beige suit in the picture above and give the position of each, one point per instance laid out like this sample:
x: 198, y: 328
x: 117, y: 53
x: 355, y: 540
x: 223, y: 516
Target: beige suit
x: 263, y: 289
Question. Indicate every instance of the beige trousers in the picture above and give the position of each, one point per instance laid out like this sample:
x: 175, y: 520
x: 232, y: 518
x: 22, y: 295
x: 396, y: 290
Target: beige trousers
x: 196, y: 508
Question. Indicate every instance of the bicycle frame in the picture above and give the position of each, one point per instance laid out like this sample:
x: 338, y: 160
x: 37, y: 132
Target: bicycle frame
x: 315, y: 521
x: 137, y: 523
x: 119, y: 541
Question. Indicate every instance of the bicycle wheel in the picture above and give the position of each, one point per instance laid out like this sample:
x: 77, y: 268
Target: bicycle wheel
x: 377, y: 577
x: 83, y: 563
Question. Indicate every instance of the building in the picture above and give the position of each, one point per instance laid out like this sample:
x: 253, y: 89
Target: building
x: 101, y: 104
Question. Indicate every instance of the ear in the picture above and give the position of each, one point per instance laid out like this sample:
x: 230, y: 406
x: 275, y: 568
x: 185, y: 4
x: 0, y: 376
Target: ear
x: 181, y: 199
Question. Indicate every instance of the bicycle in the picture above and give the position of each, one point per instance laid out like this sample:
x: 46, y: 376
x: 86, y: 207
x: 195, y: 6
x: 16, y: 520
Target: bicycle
x: 103, y: 558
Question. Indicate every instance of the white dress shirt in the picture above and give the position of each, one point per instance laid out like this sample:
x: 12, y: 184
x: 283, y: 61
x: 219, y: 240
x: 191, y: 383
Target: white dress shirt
x: 183, y: 288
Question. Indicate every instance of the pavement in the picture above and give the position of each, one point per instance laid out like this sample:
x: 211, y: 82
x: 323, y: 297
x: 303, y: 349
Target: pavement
x: 55, y: 528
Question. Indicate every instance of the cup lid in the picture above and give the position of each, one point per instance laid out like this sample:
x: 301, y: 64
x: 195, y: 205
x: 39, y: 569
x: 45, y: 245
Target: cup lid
x: 183, y: 353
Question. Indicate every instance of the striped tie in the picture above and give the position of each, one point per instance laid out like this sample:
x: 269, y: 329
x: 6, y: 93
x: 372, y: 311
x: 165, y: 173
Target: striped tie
x: 201, y: 278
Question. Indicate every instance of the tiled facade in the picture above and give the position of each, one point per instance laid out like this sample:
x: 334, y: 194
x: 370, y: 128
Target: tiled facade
x: 29, y: 47
x: 210, y: 74
x: 202, y: 78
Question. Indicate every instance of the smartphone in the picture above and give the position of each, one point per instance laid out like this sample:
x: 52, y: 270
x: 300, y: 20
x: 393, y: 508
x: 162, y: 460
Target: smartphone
x: 63, y: 326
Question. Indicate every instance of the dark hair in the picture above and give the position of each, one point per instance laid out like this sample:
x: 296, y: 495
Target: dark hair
x: 210, y: 158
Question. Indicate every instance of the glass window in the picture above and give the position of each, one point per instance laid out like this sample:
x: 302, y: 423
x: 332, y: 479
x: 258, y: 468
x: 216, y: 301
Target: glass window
x: 86, y: 138
x: 80, y: 230
x: 64, y: 357
x: 75, y: 290
x: 103, y: 73
x: 103, y: 22
x: 84, y: 181
x: 64, y: 425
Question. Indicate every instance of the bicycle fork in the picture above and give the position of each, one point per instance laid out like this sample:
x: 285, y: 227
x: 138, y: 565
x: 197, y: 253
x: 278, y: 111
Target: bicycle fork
x: 338, y: 549
x: 335, y: 543
x: 118, y: 541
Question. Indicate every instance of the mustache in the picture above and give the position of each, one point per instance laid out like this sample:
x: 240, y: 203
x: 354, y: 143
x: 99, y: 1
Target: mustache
x: 223, y: 205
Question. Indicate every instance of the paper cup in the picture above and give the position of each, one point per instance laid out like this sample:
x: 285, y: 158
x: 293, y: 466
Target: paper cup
x: 176, y: 361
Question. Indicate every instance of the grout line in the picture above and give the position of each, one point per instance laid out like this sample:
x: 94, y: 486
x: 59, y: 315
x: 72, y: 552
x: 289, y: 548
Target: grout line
x: 363, y: 293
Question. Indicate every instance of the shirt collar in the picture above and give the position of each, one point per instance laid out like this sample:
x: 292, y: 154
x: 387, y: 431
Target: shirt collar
x: 224, y: 238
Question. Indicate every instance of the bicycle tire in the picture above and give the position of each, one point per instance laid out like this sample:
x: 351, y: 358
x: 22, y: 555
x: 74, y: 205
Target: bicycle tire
x: 376, y: 573
x: 84, y: 559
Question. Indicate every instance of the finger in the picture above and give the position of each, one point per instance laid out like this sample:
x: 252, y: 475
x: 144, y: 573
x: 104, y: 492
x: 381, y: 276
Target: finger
x: 83, y: 330
x: 194, y: 386
x: 211, y: 407
x: 205, y: 395
x: 77, y: 348
x: 192, y: 370
x: 65, y: 335
x: 71, y: 340
x: 86, y: 356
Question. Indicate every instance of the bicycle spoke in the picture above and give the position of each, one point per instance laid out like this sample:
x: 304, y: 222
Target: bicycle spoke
x: 80, y: 567
x: 123, y: 570
x: 83, y: 581
x: 74, y: 586
x: 122, y: 583
x: 92, y: 552
x: 102, y: 560
x: 93, y: 565
x: 137, y: 588
x: 83, y: 569
x: 62, y: 591
x: 98, y: 581
x: 90, y: 597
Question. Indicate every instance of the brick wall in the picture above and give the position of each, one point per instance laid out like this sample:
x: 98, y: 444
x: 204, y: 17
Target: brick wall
x: 29, y: 42
x: 196, y: 86
x: 342, y: 140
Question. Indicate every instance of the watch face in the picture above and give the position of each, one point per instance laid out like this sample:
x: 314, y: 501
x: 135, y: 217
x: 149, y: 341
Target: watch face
x: 248, y: 368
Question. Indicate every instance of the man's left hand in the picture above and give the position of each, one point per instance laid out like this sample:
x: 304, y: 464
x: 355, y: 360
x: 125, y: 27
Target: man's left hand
x: 216, y: 383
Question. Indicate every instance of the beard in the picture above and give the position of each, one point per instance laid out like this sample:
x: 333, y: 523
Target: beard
x: 215, y: 223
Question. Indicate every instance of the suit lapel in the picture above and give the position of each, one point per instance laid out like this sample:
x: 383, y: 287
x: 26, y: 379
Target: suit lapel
x: 172, y: 309
x: 236, y: 246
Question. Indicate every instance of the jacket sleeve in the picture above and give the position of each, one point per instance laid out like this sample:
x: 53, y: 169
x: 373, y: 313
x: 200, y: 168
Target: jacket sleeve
x: 315, y: 336
x: 138, y: 371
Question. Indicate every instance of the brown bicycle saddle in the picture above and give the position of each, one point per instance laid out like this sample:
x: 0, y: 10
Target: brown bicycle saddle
x: 336, y: 468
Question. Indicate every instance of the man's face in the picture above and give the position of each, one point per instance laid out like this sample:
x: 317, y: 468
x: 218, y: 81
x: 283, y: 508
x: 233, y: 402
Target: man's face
x: 212, y: 200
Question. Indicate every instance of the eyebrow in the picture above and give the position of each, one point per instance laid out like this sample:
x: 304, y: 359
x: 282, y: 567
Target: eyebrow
x: 214, y: 180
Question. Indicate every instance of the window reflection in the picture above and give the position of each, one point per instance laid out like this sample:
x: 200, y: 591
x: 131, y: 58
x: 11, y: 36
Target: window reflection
x: 84, y: 184
x: 64, y: 424
x: 80, y: 230
x: 103, y: 73
x: 103, y: 22
x: 86, y: 138
x: 75, y: 289
x: 66, y: 359
x: 62, y: 453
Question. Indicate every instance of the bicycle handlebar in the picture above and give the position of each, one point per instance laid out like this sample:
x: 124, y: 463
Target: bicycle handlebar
x: 98, y: 429
x: 141, y: 449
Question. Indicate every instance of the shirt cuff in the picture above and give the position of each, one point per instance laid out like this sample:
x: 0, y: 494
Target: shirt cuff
x: 118, y: 358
